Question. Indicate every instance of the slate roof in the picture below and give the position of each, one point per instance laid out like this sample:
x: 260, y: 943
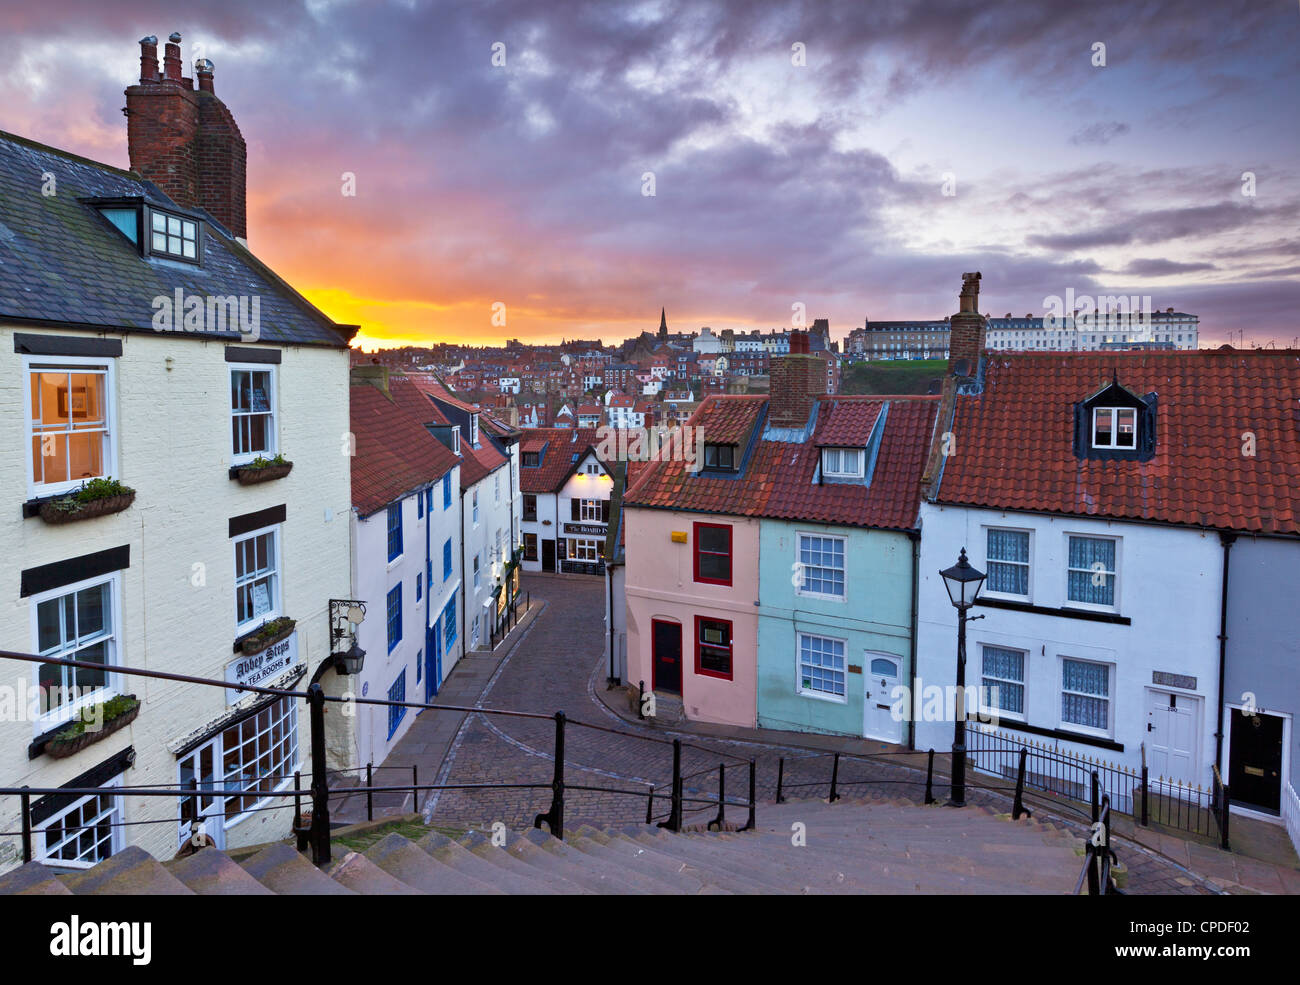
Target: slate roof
x: 1016, y: 439
x: 395, y: 453
x: 62, y: 263
x: 477, y: 463
x: 777, y: 478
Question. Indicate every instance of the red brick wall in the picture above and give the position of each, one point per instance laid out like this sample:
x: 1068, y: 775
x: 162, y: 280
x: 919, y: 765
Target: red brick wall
x: 796, y: 381
x: 966, y: 340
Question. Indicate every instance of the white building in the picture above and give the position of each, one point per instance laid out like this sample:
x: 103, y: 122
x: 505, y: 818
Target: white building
x: 218, y: 546
x: 406, y: 557
x: 566, y: 491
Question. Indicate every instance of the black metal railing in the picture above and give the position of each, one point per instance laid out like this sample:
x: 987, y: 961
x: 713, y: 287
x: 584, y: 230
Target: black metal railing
x: 313, y: 829
x: 1098, y: 856
x: 1067, y: 779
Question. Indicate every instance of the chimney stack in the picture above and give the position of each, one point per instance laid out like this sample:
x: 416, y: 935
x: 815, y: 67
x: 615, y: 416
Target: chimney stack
x: 966, y: 330
x: 796, y: 382
x: 185, y: 140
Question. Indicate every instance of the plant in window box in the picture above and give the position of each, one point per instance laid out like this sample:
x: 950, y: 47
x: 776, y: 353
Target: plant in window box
x: 94, y: 497
x: 93, y: 724
x: 263, y: 469
x: 267, y: 634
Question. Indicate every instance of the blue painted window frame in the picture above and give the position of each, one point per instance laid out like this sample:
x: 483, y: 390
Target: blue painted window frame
x: 394, y: 616
x: 394, y: 531
x: 397, y: 692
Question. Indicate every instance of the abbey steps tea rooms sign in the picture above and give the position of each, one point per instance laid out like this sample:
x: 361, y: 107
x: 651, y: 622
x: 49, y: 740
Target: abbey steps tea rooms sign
x: 261, y: 667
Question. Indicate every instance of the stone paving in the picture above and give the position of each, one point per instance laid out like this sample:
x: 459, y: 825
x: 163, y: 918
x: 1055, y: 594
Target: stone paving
x: 552, y: 662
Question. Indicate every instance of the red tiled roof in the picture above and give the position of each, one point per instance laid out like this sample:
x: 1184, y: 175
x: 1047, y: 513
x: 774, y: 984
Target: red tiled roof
x: 395, y: 454
x: 846, y: 421
x: 557, y: 462
x: 777, y: 481
x: 1016, y: 439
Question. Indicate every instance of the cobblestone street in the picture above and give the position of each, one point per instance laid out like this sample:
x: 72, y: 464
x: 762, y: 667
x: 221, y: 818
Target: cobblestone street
x: 555, y: 664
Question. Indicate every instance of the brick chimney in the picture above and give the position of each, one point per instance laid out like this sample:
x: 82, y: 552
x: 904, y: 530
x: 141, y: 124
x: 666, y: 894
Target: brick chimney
x: 795, y: 383
x: 184, y: 139
x: 967, y: 328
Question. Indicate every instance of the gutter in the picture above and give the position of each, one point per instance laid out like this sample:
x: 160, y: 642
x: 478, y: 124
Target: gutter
x: 1227, y: 540
x: 915, y: 537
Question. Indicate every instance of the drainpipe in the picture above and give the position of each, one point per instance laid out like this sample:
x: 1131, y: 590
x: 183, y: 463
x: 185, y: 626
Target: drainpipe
x: 915, y: 537
x: 1227, y: 540
x: 464, y: 582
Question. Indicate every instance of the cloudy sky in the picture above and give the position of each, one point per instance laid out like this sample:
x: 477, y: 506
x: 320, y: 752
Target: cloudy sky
x: 775, y: 183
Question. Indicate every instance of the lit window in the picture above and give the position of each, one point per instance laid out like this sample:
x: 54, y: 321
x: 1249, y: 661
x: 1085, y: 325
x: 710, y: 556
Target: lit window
x: 68, y: 424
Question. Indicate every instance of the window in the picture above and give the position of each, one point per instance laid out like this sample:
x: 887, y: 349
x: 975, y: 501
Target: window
x: 530, y: 507
x: 394, y: 531
x: 85, y: 831
x: 257, y: 578
x: 530, y: 547
x: 397, y: 692
x: 473, y: 430
x: 720, y: 457
x: 821, y: 666
x: 449, y: 622
x: 252, y: 413
x: 419, y: 587
x: 1085, y: 694
x: 473, y: 636
x: 1114, y: 427
x: 531, y: 460
x: 173, y: 236
x: 584, y: 550
x: 712, y: 554
x: 259, y: 752
x: 713, y: 647
x: 476, y: 580
x: 75, y: 622
x: 419, y: 661
x: 1008, y: 562
x: 475, y: 500
x: 1003, y: 680
x: 496, y: 488
x: 590, y: 509
x: 446, y: 491
x: 446, y: 559
x: 1091, y: 576
x: 821, y: 566
x: 455, y: 439
x: 394, y: 616
x: 842, y: 462
x: 69, y: 407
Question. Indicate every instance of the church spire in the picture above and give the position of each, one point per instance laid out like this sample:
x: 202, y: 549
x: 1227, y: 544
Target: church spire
x: 663, y: 323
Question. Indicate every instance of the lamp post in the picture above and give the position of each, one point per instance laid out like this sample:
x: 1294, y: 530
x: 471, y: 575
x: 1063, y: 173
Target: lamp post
x: 963, y: 582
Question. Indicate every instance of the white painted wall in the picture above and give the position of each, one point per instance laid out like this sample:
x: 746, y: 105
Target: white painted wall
x: 172, y: 406
x: 1168, y: 585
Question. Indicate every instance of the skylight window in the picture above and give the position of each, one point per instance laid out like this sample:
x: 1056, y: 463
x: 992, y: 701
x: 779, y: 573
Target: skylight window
x: 842, y: 463
x: 1114, y: 427
x: 173, y: 236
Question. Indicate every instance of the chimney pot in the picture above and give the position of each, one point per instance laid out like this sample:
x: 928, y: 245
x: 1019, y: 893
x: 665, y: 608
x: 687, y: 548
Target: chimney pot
x: 203, y: 69
x: 149, y: 60
x: 172, y: 61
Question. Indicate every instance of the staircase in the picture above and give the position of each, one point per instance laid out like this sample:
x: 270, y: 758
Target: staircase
x: 850, y: 847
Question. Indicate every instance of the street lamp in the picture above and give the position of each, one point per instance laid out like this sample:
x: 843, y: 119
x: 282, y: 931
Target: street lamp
x: 963, y: 582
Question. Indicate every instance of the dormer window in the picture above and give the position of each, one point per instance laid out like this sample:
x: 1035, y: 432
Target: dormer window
x: 531, y: 460
x: 1114, y: 427
x: 842, y: 463
x: 473, y: 429
x: 720, y: 457
x: 455, y: 439
x: 173, y: 236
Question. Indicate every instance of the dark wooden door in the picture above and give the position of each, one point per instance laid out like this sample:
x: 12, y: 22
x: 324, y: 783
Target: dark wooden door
x: 1255, y: 769
x: 548, y: 555
x: 667, y: 666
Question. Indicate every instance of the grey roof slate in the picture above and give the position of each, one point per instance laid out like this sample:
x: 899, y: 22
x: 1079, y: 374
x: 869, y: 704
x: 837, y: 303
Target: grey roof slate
x: 62, y: 262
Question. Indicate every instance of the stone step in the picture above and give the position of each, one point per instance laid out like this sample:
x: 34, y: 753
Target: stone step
x: 209, y: 872
x: 357, y: 873
x: 131, y: 872
x: 459, y: 858
x: 569, y: 860
x: 404, y: 860
x: 679, y: 848
x: 32, y: 879
x: 637, y: 866
x: 281, y: 869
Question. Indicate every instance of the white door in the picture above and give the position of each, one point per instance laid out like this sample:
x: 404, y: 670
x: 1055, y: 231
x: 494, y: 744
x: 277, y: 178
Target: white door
x: 1173, y: 735
x: 199, y: 767
x: 879, y: 721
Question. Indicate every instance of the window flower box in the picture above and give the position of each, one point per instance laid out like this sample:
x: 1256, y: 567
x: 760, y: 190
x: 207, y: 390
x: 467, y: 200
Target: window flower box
x: 262, y: 470
x: 114, y: 714
x: 97, y: 497
x: 268, y: 635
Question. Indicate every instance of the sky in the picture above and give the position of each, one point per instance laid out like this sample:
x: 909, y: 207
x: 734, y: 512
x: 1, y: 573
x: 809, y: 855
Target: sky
x: 847, y: 160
